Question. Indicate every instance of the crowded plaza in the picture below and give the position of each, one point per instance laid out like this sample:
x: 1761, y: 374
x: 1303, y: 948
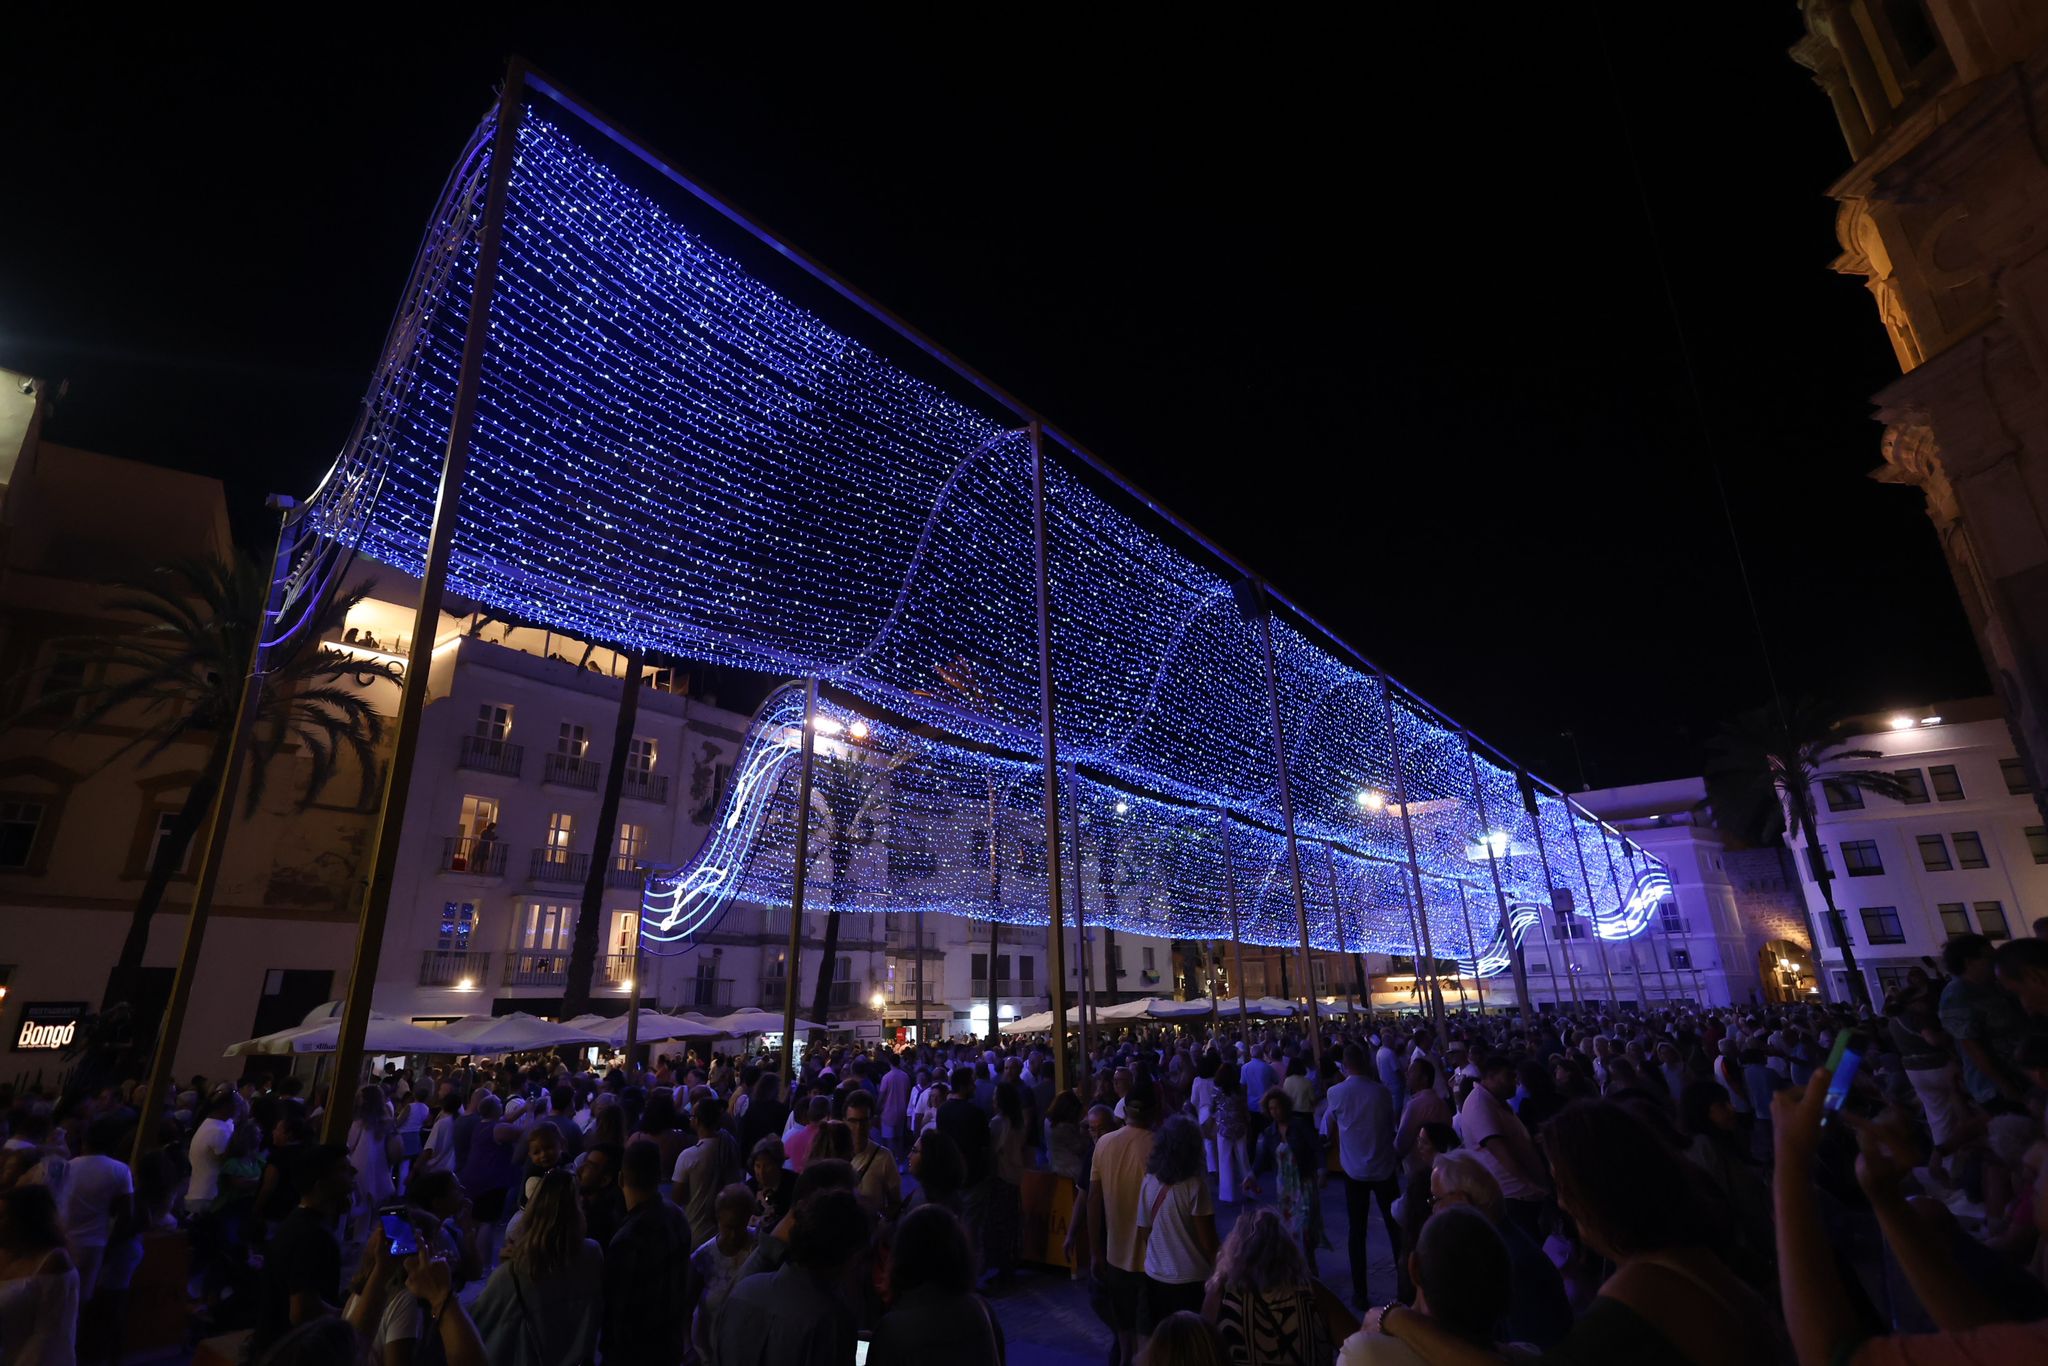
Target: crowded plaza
x: 1805, y: 1184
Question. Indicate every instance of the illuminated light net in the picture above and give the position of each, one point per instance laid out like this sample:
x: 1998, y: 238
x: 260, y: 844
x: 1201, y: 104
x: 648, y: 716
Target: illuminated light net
x: 670, y: 456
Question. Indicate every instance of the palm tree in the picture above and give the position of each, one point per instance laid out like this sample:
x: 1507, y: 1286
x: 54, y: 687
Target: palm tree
x: 1769, y: 765
x: 176, y: 675
x: 604, y: 855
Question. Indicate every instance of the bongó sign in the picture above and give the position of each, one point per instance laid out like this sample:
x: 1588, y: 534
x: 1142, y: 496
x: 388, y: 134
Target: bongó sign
x: 48, y: 1026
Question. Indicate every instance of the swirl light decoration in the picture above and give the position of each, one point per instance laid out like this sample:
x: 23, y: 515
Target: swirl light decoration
x: 670, y: 455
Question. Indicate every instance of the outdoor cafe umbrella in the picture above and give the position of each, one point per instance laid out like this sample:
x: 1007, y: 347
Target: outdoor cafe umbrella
x: 384, y: 1035
x: 518, y: 1032
x: 758, y: 1022
x: 654, y: 1027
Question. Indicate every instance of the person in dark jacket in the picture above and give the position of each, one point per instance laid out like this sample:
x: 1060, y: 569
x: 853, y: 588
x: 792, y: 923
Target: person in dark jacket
x: 934, y: 1314
x: 646, y: 1268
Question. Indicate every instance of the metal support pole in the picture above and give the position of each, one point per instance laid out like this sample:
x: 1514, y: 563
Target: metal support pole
x: 1315, y: 1029
x: 1517, y: 963
x: 218, y: 820
x: 1472, y: 948
x: 1635, y: 959
x: 1592, y: 909
x: 806, y: 761
x: 1236, y: 935
x: 1436, y: 999
x: 1550, y: 890
x: 426, y: 620
x: 1056, y: 933
x: 1080, y: 924
x: 1337, y: 916
x: 633, y: 1005
x: 917, y: 928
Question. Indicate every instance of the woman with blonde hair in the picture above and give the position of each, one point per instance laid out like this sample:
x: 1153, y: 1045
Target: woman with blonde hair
x: 543, y: 1304
x: 1263, y: 1301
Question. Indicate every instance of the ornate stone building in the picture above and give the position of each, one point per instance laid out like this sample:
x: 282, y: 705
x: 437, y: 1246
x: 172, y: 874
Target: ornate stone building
x: 1944, y: 105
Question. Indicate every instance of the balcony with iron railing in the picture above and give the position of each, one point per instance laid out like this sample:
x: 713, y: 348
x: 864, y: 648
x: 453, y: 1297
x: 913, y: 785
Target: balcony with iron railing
x: 569, y: 770
x: 490, y: 756
x: 624, y: 873
x: 558, y: 865
x: 476, y: 857
x: 550, y: 968
x: 456, y: 968
x: 775, y: 989
x: 708, y: 993
x: 644, y: 787
x: 1015, y: 987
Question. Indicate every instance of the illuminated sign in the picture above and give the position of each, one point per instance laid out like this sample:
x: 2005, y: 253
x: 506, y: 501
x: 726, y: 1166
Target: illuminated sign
x: 48, y: 1026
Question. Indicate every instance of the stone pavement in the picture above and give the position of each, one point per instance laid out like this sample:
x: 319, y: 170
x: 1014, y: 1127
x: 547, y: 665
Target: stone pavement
x: 1047, y: 1322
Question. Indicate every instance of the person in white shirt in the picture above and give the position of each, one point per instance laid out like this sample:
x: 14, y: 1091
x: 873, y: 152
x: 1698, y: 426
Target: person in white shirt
x: 209, y: 1150
x: 99, y: 1202
x: 1360, y: 1115
x: 439, y: 1155
x: 1177, y: 1221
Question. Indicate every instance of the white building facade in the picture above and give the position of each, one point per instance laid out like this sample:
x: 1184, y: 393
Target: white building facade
x: 1965, y: 851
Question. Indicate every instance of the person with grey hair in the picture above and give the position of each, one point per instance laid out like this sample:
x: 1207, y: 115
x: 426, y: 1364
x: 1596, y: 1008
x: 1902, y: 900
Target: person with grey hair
x: 1263, y: 1300
x: 1538, y: 1309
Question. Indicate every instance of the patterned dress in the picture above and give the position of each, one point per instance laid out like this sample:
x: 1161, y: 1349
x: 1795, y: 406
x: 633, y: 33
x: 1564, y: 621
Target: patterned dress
x: 1280, y: 1327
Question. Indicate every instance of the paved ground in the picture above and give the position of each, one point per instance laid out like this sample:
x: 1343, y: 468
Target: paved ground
x: 1047, y: 1322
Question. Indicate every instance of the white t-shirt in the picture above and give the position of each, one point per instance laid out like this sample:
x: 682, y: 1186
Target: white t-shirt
x: 209, y: 1150
x: 1171, y: 1253
x: 441, y: 1141
x: 92, y: 1183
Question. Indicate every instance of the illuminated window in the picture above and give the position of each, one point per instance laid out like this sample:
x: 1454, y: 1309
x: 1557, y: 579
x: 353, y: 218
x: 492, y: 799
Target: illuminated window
x: 458, y: 924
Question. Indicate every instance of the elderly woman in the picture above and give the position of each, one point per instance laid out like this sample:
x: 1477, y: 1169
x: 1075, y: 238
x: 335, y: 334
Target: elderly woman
x: 1292, y: 1151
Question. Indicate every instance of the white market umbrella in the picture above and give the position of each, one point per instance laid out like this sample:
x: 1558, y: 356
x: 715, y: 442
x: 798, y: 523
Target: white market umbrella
x: 383, y: 1035
x: 654, y: 1028
x: 1271, y: 1006
x: 518, y: 1032
x: 1031, y: 1024
x: 758, y: 1022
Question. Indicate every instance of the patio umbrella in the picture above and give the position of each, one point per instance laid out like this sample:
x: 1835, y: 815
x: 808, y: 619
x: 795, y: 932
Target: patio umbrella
x: 654, y: 1027
x: 1031, y: 1024
x: 758, y: 1022
x: 384, y: 1035
x: 514, y: 1033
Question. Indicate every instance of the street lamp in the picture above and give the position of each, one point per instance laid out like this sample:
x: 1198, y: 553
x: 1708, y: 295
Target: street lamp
x: 876, y: 1001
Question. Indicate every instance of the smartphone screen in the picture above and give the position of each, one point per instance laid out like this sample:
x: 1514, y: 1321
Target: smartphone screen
x: 1844, y: 1059
x: 398, y: 1228
x: 860, y: 1353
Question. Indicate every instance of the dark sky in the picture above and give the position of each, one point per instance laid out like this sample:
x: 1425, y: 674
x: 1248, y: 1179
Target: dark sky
x: 1375, y: 306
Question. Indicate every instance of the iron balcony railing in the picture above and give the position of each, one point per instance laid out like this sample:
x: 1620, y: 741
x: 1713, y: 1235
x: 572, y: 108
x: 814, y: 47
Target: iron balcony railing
x: 536, y: 967
x: 490, y: 756
x: 645, y: 787
x: 453, y: 968
x: 559, y: 865
x: 566, y: 770
x: 700, y: 993
x: 1006, y: 986
x: 625, y: 874
x: 477, y: 857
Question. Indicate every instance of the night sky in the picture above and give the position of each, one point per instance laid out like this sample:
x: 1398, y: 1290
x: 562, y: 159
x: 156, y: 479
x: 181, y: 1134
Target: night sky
x: 1377, y: 307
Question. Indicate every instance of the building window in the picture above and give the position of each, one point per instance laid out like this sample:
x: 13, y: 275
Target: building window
x: 1860, y: 858
x: 164, y: 821
x: 2037, y: 842
x: 572, y: 741
x: 493, y: 723
x: 458, y: 924
x: 1027, y: 973
x: 2016, y: 780
x: 1934, y: 854
x: 1881, y: 925
x: 548, y: 928
x: 1947, y: 786
x: 1891, y: 979
x: 1842, y: 796
x: 1914, y: 783
x: 1668, y: 918
x: 640, y: 759
x: 1147, y: 951
x: 1970, y: 850
x: 1319, y: 972
x: 1817, y: 862
x: 19, y: 824
x: 1828, y: 927
x: 632, y: 845
x: 1536, y: 966
x: 1682, y: 958
x: 1991, y: 920
x: 561, y: 834
x: 1955, y: 918
x: 1569, y: 929
x: 626, y: 937
x: 479, y: 814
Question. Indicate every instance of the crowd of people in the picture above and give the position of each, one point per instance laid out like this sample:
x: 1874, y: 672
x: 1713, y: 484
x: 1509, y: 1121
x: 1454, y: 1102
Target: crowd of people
x: 1593, y: 1186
